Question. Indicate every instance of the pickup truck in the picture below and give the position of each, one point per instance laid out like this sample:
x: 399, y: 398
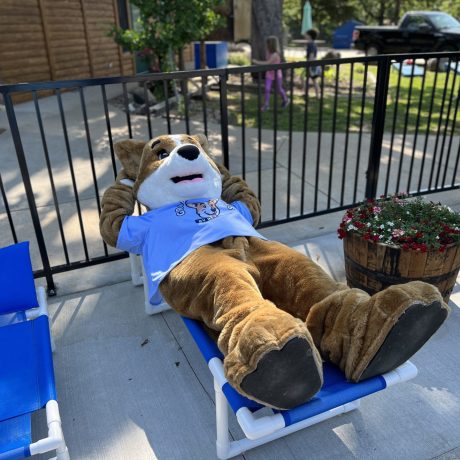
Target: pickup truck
x: 417, y: 31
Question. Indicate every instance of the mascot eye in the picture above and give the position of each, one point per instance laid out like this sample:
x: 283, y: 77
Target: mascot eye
x: 162, y: 154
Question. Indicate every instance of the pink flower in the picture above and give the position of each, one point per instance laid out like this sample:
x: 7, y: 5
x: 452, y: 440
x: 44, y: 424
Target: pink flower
x: 397, y: 232
x: 376, y: 209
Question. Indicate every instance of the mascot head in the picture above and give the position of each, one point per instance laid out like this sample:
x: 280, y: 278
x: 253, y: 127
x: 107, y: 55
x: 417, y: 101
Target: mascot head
x: 168, y: 169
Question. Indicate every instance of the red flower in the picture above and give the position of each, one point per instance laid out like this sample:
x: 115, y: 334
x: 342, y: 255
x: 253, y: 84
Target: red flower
x: 342, y: 233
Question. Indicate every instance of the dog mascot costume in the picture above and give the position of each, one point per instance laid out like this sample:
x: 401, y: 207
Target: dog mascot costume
x: 277, y: 313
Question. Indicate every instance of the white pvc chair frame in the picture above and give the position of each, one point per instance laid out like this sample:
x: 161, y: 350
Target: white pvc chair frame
x: 258, y: 429
x: 55, y: 439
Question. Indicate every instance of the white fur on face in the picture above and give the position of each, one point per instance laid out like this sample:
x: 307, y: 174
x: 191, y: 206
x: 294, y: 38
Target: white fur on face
x: 193, y: 179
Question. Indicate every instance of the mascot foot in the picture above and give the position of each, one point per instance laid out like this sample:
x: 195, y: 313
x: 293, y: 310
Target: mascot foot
x: 285, y: 378
x: 412, y: 329
x: 367, y: 336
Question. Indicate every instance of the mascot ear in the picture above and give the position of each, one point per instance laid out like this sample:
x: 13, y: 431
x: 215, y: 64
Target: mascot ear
x: 129, y: 153
x: 201, y: 138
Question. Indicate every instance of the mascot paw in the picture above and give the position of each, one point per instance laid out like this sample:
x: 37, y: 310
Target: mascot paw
x: 412, y: 329
x: 285, y: 378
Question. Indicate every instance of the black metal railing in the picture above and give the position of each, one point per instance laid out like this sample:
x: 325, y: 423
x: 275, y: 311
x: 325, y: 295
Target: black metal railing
x: 375, y: 127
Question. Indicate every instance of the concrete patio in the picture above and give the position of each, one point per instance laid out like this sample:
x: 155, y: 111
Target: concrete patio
x: 135, y: 387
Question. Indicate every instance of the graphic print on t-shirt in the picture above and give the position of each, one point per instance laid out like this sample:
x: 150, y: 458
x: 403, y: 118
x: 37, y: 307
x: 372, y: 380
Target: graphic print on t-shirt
x: 205, y: 210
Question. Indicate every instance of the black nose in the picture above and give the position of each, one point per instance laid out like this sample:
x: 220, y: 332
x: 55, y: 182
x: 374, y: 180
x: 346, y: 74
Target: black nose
x: 189, y: 152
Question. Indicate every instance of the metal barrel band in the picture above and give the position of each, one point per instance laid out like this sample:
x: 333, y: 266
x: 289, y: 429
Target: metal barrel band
x: 393, y: 279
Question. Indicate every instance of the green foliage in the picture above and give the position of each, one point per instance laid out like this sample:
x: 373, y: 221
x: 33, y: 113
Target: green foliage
x: 414, y: 224
x: 239, y: 58
x: 164, y: 27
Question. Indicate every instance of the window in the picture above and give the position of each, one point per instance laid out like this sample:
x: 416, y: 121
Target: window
x: 123, y: 17
x: 416, y: 23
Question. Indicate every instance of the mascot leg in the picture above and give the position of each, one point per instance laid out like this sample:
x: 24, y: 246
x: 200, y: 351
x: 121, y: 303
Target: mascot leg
x: 269, y: 355
x: 367, y: 336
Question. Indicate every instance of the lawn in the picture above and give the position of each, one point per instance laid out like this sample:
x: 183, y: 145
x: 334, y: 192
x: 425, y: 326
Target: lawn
x: 419, y: 102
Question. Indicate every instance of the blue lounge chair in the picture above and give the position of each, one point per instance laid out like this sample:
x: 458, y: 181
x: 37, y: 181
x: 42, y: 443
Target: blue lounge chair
x: 26, y: 364
x: 337, y: 396
x: 409, y: 70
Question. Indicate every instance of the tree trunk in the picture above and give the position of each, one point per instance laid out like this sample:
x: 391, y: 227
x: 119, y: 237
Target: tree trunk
x: 180, y: 55
x: 382, y: 12
x: 266, y: 20
x: 397, y: 11
x: 202, y: 54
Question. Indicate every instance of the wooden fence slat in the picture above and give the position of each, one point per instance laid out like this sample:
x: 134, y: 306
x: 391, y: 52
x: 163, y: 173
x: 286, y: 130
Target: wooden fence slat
x: 87, y: 37
x: 49, y: 52
x: 25, y: 4
x: 18, y: 19
x: 30, y: 12
x: 71, y: 45
x: 8, y: 29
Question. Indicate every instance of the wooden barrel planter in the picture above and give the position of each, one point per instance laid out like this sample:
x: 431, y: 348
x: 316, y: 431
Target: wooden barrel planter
x: 374, y: 266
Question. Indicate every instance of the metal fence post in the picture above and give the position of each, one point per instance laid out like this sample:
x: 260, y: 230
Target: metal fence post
x: 29, y: 193
x: 224, y: 117
x: 378, y: 126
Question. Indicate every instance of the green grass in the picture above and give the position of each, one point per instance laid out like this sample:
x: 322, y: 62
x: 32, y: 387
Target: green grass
x: 346, y: 110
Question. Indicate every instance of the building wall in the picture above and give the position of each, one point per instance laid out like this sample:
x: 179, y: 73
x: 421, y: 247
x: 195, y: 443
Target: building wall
x: 59, y: 39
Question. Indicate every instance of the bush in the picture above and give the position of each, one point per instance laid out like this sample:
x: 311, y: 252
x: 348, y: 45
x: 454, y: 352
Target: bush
x: 239, y: 58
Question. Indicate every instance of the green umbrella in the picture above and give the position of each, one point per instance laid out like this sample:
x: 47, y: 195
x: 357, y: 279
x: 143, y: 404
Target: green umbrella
x: 307, y: 22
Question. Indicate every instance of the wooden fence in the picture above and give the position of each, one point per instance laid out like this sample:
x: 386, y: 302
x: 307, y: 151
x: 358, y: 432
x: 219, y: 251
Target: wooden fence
x: 59, y: 39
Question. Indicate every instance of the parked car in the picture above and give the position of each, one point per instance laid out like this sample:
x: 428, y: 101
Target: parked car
x: 417, y: 31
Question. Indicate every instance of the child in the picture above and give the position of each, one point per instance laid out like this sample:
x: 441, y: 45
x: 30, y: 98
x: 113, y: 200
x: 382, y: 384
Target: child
x: 312, y: 55
x: 273, y: 57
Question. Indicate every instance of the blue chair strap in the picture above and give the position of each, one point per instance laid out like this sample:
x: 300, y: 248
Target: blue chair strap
x: 15, y: 437
x: 26, y: 371
x: 17, y: 288
x: 336, y: 389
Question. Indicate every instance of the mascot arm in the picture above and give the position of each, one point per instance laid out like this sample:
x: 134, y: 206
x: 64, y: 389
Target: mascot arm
x: 236, y: 189
x: 117, y: 203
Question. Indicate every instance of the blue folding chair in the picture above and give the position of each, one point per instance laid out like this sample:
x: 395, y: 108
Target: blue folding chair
x: 409, y: 70
x: 26, y: 363
x: 337, y: 395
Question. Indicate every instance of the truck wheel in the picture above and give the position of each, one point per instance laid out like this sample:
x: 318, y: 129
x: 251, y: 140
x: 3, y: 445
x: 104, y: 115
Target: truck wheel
x: 372, y: 49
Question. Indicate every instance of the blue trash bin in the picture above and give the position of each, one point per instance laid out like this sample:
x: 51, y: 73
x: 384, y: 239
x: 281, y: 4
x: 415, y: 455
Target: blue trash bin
x: 216, y: 54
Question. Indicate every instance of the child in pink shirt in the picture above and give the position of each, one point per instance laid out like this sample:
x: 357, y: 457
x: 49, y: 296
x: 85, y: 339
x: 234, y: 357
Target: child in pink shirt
x: 273, y: 57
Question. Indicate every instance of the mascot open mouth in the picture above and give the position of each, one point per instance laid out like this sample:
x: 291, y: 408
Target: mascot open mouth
x: 190, y: 178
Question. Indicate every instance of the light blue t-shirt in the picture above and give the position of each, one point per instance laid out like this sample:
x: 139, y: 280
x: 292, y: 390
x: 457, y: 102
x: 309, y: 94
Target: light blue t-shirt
x: 165, y: 236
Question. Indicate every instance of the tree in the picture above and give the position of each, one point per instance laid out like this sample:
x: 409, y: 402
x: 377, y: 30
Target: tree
x: 266, y: 20
x: 164, y: 27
